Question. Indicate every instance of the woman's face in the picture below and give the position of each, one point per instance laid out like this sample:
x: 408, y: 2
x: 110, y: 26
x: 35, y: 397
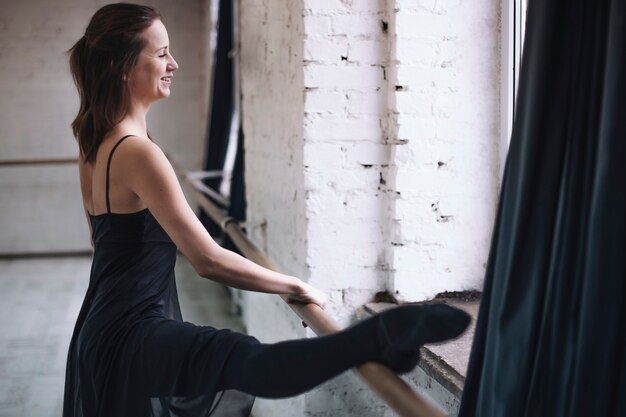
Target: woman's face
x: 151, y: 78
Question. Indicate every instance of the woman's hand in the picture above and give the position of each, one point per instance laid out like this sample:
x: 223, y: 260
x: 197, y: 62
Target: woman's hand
x: 306, y: 294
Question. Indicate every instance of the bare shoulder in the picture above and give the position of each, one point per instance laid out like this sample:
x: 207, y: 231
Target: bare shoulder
x: 139, y: 153
x: 144, y: 168
x: 137, y: 146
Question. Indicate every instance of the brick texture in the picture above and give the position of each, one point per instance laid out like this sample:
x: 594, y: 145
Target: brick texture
x: 372, y: 152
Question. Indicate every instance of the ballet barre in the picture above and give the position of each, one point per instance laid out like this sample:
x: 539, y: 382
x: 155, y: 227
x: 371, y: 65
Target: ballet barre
x: 35, y: 162
x: 384, y: 382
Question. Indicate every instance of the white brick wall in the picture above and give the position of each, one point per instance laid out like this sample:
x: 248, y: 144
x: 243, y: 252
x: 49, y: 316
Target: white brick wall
x: 345, y: 152
x: 447, y: 111
x: 40, y: 101
x: 273, y: 108
x: 314, y: 124
x: 371, y: 156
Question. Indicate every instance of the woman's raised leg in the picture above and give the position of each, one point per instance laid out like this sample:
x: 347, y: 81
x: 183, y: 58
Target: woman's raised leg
x: 292, y: 367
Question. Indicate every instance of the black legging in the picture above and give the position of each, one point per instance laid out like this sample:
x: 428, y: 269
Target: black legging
x: 292, y: 367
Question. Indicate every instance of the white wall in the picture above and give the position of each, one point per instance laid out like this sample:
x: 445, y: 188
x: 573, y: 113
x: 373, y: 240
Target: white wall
x: 272, y: 79
x: 40, y: 207
x: 446, y: 103
x: 347, y: 151
x: 371, y: 157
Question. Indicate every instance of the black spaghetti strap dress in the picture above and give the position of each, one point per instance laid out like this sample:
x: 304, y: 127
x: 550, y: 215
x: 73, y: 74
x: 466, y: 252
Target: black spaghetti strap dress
x: 131, y: 355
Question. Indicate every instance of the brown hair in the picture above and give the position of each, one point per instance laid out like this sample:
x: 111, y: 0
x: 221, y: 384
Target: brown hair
x: 99, y: 63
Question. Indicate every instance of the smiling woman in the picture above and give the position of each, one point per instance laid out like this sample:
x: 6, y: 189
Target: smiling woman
x: 131, y: 354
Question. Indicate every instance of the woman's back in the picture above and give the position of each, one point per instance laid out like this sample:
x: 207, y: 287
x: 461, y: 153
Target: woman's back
x: 94, y: 177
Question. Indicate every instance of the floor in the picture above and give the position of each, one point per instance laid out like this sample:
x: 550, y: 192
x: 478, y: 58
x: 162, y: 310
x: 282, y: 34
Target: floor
x: 39, y: 302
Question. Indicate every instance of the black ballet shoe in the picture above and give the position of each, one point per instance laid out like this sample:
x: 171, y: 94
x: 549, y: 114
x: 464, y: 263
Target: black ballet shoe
x: 403, y: 330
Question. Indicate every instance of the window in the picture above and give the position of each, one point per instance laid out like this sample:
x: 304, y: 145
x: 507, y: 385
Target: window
x: 513, y: 28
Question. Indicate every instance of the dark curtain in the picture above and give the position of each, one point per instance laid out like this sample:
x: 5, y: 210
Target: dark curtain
x: 221, y: 115
x: 237, y: 207
x: 551, y: 333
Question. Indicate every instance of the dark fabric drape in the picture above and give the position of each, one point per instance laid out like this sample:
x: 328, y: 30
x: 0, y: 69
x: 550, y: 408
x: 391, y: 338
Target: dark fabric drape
x: 551, y: 333
x: 222, y: 93
x: 237, y: 207
x: 218, y: 136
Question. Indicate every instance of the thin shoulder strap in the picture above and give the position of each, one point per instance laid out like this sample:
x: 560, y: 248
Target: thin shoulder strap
x: 109, y: 168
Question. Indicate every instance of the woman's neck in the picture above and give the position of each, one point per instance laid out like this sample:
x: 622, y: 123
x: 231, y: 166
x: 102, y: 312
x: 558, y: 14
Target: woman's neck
x: 134, y: 123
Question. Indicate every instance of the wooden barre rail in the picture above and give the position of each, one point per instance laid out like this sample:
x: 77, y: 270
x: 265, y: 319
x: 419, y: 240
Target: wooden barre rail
x: 384, y: 382
x: 35, y: 162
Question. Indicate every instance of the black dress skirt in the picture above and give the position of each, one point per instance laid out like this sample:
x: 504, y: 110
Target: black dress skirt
x: 131, y: 355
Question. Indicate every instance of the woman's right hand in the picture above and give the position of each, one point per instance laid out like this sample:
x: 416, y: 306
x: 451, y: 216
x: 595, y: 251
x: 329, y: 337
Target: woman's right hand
x: 306, y: 294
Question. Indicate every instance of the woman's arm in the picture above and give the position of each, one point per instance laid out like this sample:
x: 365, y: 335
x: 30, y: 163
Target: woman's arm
x: 152, y: 178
